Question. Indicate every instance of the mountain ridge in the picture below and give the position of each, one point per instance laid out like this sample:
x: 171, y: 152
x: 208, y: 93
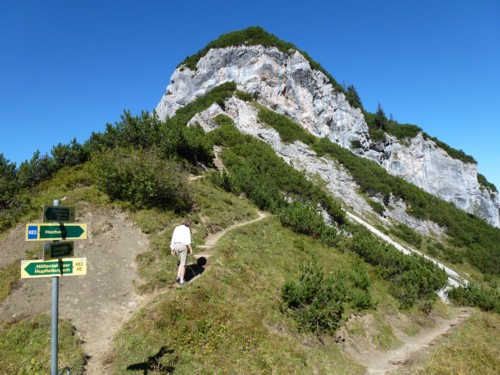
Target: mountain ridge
x: 251, y: 310
x: 287, y: 83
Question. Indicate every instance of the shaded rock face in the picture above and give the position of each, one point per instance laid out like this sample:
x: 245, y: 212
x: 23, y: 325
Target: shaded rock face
x: 424, y: 164
x: 288, y: 85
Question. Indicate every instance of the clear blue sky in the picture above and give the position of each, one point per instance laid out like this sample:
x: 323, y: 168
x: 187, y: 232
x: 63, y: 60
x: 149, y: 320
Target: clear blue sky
x: 69, y: 67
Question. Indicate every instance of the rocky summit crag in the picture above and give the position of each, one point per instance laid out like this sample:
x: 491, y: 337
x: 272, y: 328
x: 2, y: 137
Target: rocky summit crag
x: 285, y: 82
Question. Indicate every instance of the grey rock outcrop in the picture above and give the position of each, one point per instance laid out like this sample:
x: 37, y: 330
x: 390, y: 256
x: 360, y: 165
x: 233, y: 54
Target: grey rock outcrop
x: 301, y: 157
x: 287, y: 84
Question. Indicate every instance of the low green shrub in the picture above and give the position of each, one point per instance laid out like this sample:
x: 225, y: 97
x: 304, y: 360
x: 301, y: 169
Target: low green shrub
x: 412, y: 278
x: 317, y: 303
x: 378, y: 207
x: 288, y: 130
x: 143, y: 179
x: 487, y: 299
x: 407, y: 234
x: 306, y: 219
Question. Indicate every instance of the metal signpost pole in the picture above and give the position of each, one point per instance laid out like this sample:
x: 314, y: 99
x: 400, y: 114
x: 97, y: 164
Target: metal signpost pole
x: 55, y: 318
x: 58, y: 223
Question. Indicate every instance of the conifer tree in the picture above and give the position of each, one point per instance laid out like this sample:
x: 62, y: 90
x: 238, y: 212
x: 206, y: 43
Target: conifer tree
x: 380, y: 118
x: 353, y: 97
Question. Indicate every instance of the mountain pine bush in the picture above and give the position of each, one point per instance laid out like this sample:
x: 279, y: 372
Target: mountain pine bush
x: 142, y: 178
x: 317, y: 303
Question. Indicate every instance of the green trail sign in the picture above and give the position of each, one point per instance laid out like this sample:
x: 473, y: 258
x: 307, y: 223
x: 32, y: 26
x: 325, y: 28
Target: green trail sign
x: 58, y: 214
x: 47, y: 232
x: 61, y: 267
x: 56, y: 250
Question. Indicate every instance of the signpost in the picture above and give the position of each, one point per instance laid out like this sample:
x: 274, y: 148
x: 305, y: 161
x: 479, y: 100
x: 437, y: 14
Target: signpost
x: 45, y: 232
x: 58, y: 214
x: 58, y: 224
x: 62, y: 267
x: 57, y: 250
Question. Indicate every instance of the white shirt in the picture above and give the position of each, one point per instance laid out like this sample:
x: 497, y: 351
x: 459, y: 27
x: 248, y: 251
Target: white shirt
x: 181, y: 234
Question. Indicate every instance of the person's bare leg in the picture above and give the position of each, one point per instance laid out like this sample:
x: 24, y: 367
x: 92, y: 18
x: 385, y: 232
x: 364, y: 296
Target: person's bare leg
x: 182, y: 271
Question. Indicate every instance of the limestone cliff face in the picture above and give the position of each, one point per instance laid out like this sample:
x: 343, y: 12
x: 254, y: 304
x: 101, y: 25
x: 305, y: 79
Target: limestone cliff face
x: 424, y: 164
x: 287, y: 84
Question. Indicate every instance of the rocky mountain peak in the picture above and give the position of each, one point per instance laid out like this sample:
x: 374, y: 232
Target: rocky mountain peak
x: 285, y: 82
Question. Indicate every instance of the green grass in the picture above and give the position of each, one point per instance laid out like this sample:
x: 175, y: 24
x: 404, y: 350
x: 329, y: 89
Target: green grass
x: 9, y: 276
x: 472, y: 349
x: 25, y: 347
x: 215, y: 210
x: 229, y: 320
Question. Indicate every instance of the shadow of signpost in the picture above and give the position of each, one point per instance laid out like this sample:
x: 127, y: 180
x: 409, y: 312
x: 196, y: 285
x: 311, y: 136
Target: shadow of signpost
x: 153, y: 363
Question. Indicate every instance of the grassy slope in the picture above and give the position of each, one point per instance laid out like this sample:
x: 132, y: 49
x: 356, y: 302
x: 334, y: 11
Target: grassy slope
x: 473, y: 349
x: 25, y: 346
x: 229, y: 320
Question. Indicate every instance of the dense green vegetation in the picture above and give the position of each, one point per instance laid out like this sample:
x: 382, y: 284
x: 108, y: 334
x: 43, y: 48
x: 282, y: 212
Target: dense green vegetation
x: 484, y: 182
x: 487, y: 299
x: 407, y: 234
x: 318, y: 303
x: 412, y: 278
x: 172, y: 139
x: 142, y: 178
x: 254, y: 168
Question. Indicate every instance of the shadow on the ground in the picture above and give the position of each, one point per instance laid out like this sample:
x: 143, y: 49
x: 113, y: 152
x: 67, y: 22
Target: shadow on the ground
x: 193, y: 270
x: 153, y: 363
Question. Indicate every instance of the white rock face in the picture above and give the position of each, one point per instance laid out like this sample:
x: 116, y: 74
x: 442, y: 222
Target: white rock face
x: 301, y: 157
x: 284, y: 83
x: 287, y: 84
x: 429, y: 167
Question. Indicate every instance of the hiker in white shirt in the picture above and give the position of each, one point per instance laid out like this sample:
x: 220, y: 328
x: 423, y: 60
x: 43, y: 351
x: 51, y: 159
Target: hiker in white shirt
x: 180, y: 245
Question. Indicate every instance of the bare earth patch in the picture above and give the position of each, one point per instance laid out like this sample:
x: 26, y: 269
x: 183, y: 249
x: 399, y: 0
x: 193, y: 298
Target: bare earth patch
x: 405, y: 356
x: 100, y: 302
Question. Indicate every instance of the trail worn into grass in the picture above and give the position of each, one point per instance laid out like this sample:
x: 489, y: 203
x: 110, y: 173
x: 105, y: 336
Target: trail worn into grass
x: 213, y: 238
x: 402, y: 359
x: 99, y: 303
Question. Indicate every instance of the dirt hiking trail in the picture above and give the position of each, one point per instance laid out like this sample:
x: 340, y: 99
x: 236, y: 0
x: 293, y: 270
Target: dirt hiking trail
x: 99, y: 303
x: 402, y: 359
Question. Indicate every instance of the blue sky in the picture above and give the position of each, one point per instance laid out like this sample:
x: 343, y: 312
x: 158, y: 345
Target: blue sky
x: 69, y: 67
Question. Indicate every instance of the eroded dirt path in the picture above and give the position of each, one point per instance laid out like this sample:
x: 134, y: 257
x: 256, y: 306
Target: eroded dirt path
x: 99, y: 303
x: 402, y: 358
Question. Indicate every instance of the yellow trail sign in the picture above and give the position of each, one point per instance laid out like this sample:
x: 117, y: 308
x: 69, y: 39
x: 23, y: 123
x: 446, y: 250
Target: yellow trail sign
x: 61, y: 267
